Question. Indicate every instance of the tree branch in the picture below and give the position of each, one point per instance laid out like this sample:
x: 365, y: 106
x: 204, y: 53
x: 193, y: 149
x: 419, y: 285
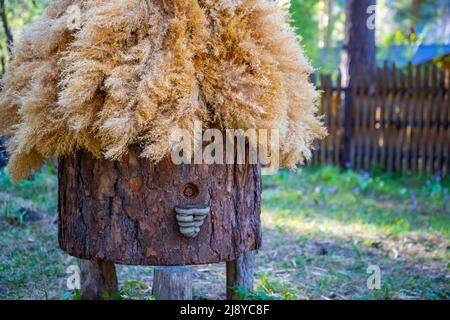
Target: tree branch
x: 4, y: 17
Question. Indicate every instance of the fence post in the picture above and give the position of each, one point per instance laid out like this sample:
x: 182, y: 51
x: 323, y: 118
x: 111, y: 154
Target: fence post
x: 347, y: 136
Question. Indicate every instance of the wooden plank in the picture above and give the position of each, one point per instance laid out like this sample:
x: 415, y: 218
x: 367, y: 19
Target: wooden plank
x: 433, y: 102
x: 377, y: 125
x: 383, y: 106
x: 401, y: 123
x: 409, y: 116
x: 350, y: 116
x: 372, y: 116
x: 440, y: 119
x: 390, y: 111
x: 415, y: 131
x: 359, y: 117
x: 324, y: 108
x: 424, y: 120
x: 329, y: 115
x: 338, y: 121
x: 367, y: 118
x: 444, y: 87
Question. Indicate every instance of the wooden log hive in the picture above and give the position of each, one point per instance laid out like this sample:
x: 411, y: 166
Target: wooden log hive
x: 74, y: 85
x: 125, y: 211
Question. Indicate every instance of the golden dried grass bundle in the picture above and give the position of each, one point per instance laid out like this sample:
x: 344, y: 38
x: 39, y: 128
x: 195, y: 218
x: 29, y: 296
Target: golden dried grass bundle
x: 131, y: 71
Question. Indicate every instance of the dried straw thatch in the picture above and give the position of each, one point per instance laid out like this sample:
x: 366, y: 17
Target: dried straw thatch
x: 130, y: 71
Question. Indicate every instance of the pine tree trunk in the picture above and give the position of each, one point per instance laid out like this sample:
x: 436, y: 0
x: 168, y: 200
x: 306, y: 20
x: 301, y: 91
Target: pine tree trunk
x: 359, y: 49
x: 125, y: 211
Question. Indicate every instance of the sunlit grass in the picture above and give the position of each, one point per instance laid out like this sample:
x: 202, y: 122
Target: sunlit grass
x: 393, y: 205
x: 330, y: 224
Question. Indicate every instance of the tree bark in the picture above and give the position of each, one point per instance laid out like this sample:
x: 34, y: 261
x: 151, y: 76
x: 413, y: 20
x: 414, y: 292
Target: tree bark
x: 98, y: 280
x: 172, y: 283
x: 359, y: 49
x: 240, y: 274
x: 359, y: 42
x: 124, y: 211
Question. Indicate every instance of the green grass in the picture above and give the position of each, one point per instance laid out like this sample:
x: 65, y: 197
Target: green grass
x: 31, y: 264
x: 386, y: 202
x: 322, y: 229
x: 335, y: 223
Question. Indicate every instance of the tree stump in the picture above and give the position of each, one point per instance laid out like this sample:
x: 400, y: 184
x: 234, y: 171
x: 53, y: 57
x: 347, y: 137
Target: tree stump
x: 98, y: 280
x: 172, y: 283
x: 125, y: 211
x: 240, y: 274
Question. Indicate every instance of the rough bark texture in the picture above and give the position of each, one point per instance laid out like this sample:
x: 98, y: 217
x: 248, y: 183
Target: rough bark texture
x: 98, y: 280
x: 172, y: 283
x: 240, y: 274
x: 123, y: 211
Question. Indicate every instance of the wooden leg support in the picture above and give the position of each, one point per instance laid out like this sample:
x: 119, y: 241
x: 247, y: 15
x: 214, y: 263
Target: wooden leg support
x: 98, y: 280
x: 172, y: 283
x: 240, y: 274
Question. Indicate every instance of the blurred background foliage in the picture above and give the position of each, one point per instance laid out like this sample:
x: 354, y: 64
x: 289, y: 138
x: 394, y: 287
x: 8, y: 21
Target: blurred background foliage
x: 19, y: 13
x: 320, y: 24
x: 408, y: 23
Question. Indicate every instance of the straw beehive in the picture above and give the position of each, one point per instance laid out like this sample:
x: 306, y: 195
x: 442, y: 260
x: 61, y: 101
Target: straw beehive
x: 129, y: 72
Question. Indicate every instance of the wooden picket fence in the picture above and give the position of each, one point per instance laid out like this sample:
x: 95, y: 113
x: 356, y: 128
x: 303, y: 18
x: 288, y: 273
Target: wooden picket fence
x: 398, y: 121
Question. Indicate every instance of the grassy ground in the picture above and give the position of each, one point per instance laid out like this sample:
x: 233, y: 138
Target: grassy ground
x: 323, y: 228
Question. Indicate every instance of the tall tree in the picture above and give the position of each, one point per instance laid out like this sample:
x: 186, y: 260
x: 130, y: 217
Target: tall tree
x: 359, y: 42
x: 359, y: 48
